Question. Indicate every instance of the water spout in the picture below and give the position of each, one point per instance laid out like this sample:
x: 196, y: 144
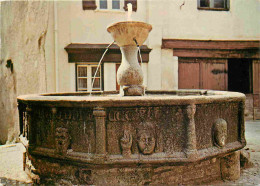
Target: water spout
x: 129, y: 12
x: 99, y: 63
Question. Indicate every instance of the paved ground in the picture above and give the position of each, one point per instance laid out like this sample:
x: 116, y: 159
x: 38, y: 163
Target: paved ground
x: 11, y: 160
x: 251, y: 176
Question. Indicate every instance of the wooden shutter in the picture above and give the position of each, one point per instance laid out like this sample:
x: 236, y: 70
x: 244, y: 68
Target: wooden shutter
x: 89, y: 4
x: 134, y: 4
x: 199, y: 73
x: 189, y: 73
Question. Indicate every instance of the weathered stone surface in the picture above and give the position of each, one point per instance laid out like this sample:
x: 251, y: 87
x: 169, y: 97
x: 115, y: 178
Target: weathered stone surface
x: 230, y: 166
x: 124, y: 32
x: 245, y: 161
x: 134, y: 140
x: 23, y: 42
x: 193, y: 173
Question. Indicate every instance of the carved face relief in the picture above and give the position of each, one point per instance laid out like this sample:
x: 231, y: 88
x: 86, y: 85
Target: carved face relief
x: 220, y: 133
x: 62, y: 140
x: 146, y: 138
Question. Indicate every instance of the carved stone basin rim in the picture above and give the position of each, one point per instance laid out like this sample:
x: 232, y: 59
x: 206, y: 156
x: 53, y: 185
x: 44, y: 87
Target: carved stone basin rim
x: 153, y: 97
x: 130, y: 23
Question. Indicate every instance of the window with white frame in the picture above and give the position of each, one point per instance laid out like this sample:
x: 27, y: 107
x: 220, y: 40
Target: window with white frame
x: 110, y: 4
x: 213, y: 4
x: 85, y: 78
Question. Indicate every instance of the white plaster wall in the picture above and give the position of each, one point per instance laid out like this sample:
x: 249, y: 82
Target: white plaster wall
x: 169, y: 70
x: 109, y: 76
x: 240, y: 22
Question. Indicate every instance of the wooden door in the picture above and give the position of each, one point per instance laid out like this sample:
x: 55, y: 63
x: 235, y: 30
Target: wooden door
x: 199, y: 73
x: 214, y: 74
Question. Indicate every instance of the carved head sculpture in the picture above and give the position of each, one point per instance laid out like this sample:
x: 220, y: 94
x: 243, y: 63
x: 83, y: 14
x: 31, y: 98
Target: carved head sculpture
x: 62, y: 140
x: 146, y: 138
x: 220, y: 133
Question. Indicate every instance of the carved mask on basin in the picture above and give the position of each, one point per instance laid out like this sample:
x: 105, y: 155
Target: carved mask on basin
x: 62, y: 140
x: 146, y: 138
x: 220, y: 133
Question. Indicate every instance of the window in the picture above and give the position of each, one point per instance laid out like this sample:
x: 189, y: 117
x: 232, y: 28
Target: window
x: 213, y: 4
x: 85, y: 77
x: 110, y: 4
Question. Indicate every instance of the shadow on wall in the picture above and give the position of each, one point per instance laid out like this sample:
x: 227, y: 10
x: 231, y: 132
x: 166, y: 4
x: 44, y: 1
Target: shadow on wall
x: 8, y: 93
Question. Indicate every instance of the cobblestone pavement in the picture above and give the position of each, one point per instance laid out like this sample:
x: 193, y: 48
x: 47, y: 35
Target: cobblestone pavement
x: 11, y: 161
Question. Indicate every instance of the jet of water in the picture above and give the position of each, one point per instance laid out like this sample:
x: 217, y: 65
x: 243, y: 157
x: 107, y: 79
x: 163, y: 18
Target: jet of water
x: 129, y: 12
x: 100, y: 63
x: 139, y: 51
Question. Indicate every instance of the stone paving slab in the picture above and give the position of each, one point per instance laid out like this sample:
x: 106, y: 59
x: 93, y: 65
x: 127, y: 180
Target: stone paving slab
x: 11, y: 165
x: 7, y: 182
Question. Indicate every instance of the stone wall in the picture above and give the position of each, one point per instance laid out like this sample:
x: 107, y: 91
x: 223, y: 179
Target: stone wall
x: 24, y: 26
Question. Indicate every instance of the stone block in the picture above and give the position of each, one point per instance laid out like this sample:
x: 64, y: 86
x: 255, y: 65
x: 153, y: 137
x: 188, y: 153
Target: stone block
x: 230, y: 166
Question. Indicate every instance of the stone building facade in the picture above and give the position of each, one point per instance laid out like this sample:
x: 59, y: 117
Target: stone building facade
x: 54, y: 46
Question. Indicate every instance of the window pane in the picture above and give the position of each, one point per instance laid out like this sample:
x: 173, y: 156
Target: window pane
x: 103, y: 4
x: 219, y: 3
x: 96, y: 83
x: 204, y: 3
x: 93, y: 69
x: 83, y: 83
x: 115, y: 4
x: 82, y: 71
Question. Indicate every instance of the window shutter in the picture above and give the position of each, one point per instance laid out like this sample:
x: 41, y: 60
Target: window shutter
x: 134, y: 4
x: 89, y: 4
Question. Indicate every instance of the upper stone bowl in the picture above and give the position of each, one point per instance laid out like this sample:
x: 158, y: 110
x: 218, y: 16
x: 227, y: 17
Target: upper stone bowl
x: 125, y: 32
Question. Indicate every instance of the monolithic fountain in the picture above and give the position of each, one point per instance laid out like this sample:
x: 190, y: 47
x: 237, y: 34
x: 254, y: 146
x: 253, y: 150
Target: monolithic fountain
x: 137, y: 137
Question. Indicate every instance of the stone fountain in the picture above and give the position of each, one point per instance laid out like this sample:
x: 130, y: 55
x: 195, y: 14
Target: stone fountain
x: 162, y: 137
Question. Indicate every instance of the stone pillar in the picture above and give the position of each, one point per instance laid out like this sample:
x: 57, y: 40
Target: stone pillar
x: 191, y: 146
x: 242, y: 122
x: 230, y: 166
x: 21, y: 108
x: 100, y: 118
x: 30, y: 128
